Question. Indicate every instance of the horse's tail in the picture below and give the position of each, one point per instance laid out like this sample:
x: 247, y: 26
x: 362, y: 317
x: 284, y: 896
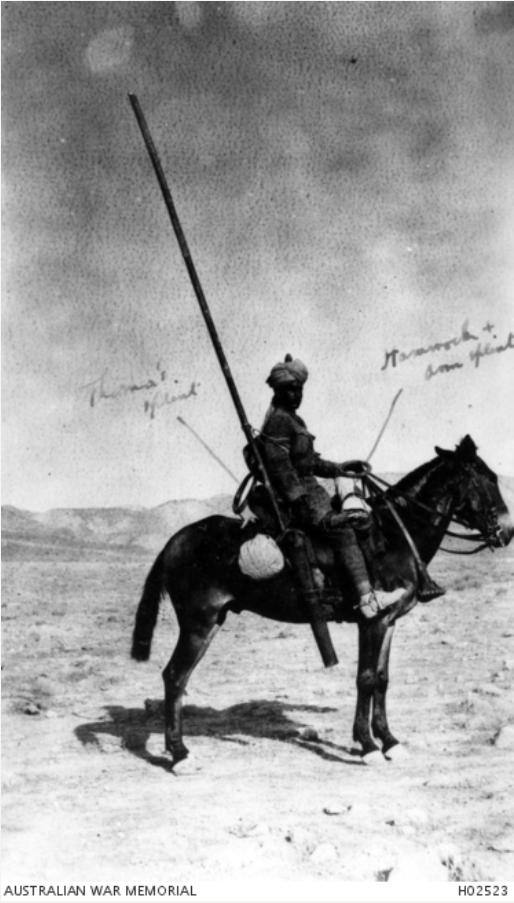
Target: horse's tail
x: 148, y: 609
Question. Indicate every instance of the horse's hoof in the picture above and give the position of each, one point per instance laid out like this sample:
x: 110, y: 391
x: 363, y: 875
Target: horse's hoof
x: 178, y: 755
x: 373, y: 758
x: 397, y: 753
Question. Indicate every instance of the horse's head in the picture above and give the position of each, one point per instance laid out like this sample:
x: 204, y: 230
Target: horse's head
x: 479, y: 504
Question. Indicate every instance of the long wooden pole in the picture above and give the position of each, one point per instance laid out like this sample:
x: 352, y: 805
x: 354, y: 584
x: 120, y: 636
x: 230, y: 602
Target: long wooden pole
x: 318, y: 624
x: 209, y: 322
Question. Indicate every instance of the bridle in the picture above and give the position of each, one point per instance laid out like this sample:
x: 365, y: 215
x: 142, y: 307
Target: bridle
x: 487, y: 506
x: 486, y: 539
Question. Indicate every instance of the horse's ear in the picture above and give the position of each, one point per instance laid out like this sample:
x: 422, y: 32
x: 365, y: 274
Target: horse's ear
x: 466, y: 450
x: 444, y: 452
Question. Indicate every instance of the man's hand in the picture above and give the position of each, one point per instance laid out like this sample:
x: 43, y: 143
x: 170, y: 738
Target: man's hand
x: 353, y: 468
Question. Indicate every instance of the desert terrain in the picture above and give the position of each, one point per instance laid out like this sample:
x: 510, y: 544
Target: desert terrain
x: 274, y: 787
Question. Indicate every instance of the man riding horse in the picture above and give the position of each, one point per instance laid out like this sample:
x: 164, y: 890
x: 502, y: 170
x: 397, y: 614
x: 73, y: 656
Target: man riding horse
x: 292, y: 466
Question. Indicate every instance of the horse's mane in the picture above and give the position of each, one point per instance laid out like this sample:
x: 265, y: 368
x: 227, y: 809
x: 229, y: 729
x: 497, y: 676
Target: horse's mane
x: 417, y: 478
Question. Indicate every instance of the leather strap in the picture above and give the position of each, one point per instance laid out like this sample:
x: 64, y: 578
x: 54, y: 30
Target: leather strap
x: 408, y: 537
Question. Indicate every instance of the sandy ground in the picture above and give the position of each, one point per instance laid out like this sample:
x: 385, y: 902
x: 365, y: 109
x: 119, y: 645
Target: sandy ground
x: 88, y: 790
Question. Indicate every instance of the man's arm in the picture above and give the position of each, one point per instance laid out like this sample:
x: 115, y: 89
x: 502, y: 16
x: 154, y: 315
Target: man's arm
x: 277, y: 444
x: 324, y: 468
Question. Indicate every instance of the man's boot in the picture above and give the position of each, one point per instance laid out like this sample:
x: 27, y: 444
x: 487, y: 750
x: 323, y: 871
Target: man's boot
x: 371, y: 604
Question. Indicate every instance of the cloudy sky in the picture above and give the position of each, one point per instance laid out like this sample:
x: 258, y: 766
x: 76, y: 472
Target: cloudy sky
x: 344, y: 173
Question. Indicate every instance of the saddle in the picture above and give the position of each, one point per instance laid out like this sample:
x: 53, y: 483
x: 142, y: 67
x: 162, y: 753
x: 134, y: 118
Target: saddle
x: 374, y: 545
x: 319, y: 550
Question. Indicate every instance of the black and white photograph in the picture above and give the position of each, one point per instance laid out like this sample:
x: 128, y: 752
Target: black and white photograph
x: 258, y: 450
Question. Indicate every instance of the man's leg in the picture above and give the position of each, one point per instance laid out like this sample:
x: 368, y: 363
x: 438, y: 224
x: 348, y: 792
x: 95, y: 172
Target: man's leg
x: 353, y: 574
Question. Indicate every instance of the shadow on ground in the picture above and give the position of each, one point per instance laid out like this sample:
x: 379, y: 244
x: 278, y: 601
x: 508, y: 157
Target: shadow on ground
x: 259, y: 719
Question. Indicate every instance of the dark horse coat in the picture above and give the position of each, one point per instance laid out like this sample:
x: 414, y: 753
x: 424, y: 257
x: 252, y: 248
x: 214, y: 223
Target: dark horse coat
x: 198, y: 569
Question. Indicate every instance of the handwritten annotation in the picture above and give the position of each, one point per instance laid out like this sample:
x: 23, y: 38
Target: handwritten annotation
x: 475, y: 355
x: 158, y: 396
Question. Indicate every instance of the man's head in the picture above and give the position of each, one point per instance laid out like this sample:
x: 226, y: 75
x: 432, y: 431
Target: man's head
x: 289, y: 396
x: 287, y: 379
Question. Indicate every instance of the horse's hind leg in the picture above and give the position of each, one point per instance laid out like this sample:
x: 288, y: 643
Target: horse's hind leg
x: 191, y: 647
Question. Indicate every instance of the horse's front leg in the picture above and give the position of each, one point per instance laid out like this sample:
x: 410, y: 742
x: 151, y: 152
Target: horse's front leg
x: 370, y: 637
x: 379, y: 723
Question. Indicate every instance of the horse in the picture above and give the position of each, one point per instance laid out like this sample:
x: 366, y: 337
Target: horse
x: 198, y: 569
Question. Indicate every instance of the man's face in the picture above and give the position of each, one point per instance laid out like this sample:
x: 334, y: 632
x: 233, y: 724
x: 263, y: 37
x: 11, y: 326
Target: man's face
x: 291, y: 396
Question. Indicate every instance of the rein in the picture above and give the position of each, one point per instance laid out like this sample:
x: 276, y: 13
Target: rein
x: 372, y: 482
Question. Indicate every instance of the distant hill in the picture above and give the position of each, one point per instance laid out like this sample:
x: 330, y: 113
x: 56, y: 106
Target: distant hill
x: 71, y: 533
x: 66, y: 532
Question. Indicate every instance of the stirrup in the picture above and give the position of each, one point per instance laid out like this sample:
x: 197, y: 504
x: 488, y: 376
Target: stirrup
x: 427, y: 587
x: 431, y: 591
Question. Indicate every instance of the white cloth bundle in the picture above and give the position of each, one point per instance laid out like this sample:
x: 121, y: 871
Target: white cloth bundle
x: 260, y: 558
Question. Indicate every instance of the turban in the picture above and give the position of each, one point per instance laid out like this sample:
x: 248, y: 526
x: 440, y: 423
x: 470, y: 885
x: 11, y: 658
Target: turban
x: 287, y: 372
